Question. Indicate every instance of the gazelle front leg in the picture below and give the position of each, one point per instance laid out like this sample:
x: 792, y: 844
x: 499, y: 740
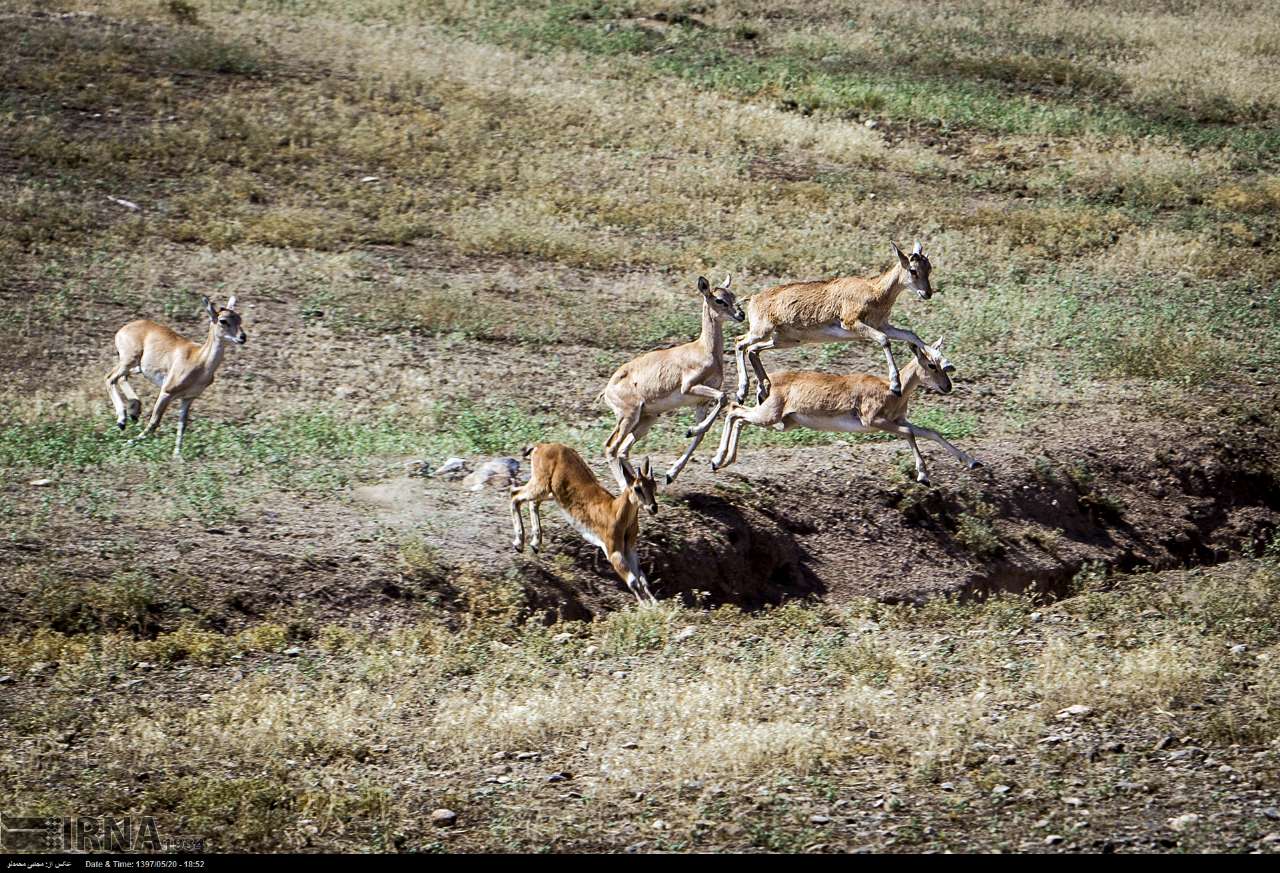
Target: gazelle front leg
x: 763, y: 385
x: 718, y: 400
x: 740, y: 358
x: 906, y: 336
x: 880, y: 339
x: 517, y: 522
x: 627, y: 565
x: 693, y: 445
x: 908, y: 430
x: 117, y: 399
x: 184, y: 409
x: 157, y: 413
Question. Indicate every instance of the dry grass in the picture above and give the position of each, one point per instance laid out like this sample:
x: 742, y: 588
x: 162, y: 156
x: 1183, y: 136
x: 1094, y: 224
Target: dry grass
x: 695, y: 710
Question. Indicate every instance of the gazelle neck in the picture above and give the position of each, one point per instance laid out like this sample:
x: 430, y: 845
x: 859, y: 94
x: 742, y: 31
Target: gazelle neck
x: 712, y: 336
x: 910, y: 375
x: 211, y: 351
x: 890, y: 282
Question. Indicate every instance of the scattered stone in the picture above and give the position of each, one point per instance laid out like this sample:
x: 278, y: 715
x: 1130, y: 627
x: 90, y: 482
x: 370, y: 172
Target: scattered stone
x: 1165, y: 742
x: 1035, y: 616
x: 500, y: 473
x: 1239, y: 649
x: 819, y: 819
x: 559, y: 776
x: 1272, y: 813
x: 870, y: 124
x: 1182, y: 822
x: 1052, y: 740
x: 5, y: 680
x: 367, y: 179
x: 590, y: 650
x: 1273, y: 837
x: 561, y: 638
x: 444, y: 818
x: 1077, y: 710
x: 619, y: 674
x: 40, y: 483
x: 630, y: 745
x: 948, y: 786
x: 528, y: 756
x: 1113, y: 747
x: 1053, y: 839
x: 293, y: 651
x: 1073, y: 801
x: 1001, y: 789
x: 683, y: 634
x: 452, y: 468
x: 659, y: 825
x: 498, y: 756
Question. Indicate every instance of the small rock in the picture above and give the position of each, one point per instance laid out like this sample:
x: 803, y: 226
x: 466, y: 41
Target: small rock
x: 1273, y: 837
x: 293, y: 651
x: 1239, y: 649
x: 498, y: 756
x: 1073, y: 801
x: 1036, y: 616
x: 619, y: 674
x: 630, y: 745
x: 562, y: 638
x: 683, y: 634
x: 40, y: 483
x: 1182, y: 822
x: 659, y: 825
x: 870, y: 124
x: 443, y: 818
x: 560, y: 776
x: 1272, y: 813
x: 819, y: 819
x: 947, y: 786
x: 452, y: 468
x: 1053, y: 839
x: 1076, y: 710
x: 1001, y: 789
x: 5, y: 680
x: 367, y: 179
x: 590, y: 650
x: 528, y: 756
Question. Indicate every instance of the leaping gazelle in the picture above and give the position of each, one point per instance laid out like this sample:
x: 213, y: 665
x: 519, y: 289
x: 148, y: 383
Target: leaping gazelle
x: 855, y: 403
x: 180, y: 368
x: 664, y: 380
x: 832, y: 311
x: 609, y: 522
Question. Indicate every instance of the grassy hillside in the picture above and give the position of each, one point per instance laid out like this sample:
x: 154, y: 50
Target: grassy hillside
x: 448, y: 223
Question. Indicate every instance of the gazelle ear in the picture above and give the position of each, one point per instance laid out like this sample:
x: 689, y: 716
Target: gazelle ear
x: 902, y: 259
x: 209, y: 310
x: 231, y: 302
x: 919, y: 249
x: 938, y: 345
x: 646, y: 469
x: 703, y: 285
x: 724, y: 286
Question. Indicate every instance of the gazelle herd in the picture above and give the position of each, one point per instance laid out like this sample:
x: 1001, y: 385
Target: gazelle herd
x: 647, y: 387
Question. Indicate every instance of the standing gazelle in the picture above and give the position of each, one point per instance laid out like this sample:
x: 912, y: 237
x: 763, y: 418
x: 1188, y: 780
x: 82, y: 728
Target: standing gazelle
x: 855, y: 403
x: 660, y: 381
x: 831, y: 311
x: 608, y: 522
x: 179, y: 367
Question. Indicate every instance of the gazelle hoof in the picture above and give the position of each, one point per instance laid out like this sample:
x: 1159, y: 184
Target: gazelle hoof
x: 669, y: 478
x: 974, y: 464
x: 120, y: 424
x: 896, y: 392
x: 714, y: 466
x: 923, y: 480
x: 518, y: 546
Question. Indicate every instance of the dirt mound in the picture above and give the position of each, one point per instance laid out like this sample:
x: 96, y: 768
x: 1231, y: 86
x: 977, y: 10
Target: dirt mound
x: 840, y: 523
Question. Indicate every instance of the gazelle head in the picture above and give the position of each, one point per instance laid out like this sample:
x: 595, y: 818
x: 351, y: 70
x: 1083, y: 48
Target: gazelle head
x: 227, y: 320
x: 915, y: 269
x: 935, y: 369
x: 641, y: 487
x: 722, y: 301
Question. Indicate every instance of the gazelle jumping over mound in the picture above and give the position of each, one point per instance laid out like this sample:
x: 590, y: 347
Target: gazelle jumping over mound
x: 180, y: 368
x: 667, y: 379
x: 609, y: 522
x: 837, y: 309
x: 855, y: 403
